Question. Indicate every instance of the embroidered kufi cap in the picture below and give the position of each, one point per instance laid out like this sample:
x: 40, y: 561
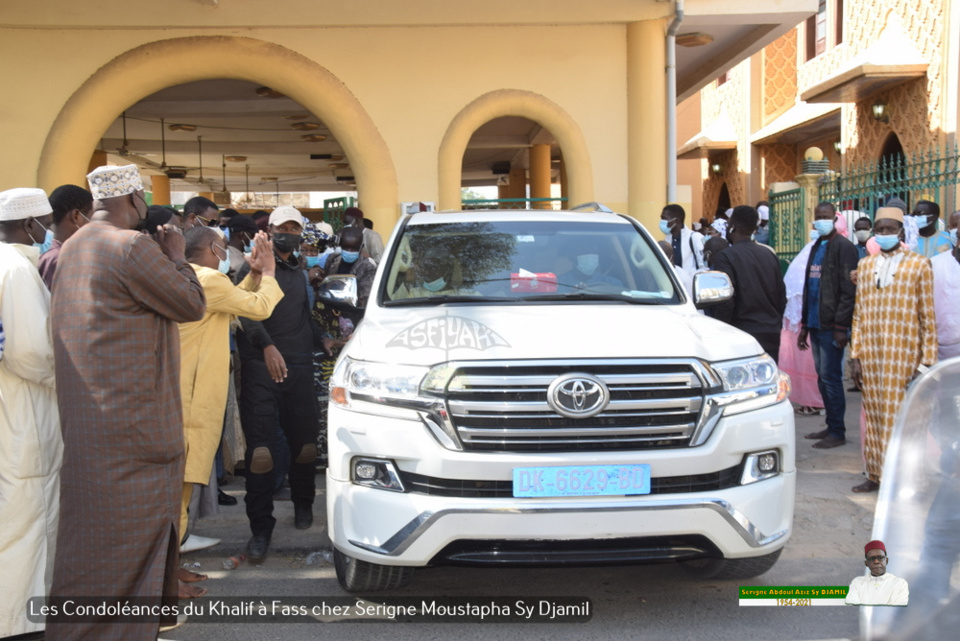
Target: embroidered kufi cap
x: 23, y: 202
x: 111, y: 181
x: 893, y: 213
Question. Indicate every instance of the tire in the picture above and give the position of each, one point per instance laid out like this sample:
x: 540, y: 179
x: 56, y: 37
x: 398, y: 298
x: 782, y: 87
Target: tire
x: 355, y: 575
x: 732, y: 568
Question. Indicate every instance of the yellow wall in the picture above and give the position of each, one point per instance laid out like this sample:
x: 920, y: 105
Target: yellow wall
x: 408, y: 92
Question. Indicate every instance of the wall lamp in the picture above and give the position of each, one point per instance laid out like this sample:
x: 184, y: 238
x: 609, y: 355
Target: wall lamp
x: 837, y: 147
x: 880, y: 112
x: 716, y: 168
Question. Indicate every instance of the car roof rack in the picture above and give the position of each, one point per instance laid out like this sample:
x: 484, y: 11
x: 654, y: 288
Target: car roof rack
x: 592, y: 206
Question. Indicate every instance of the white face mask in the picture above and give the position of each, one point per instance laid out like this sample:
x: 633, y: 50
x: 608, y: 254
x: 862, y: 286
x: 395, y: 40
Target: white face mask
x: 588, y: 263
x: 953, y: 236
x: 863, y: 235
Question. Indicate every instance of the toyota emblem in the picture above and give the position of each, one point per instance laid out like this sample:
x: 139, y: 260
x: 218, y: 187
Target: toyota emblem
x: 578, y: 395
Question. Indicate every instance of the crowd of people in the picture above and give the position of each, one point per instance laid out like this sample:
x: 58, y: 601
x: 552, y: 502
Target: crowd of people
x: 124, y: 381
x: 881, y: 305
x: 145, y: 351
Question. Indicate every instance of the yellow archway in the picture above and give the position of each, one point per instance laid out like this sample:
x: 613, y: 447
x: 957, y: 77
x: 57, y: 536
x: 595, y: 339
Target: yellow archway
x: 514, y: 102
x: 149, y: 68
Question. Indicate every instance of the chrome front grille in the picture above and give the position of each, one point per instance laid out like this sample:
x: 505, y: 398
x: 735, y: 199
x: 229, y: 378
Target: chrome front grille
x: 503, y: 406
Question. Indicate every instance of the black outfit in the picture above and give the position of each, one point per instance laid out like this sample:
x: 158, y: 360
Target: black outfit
x: 759, y: 295
x: 837, y: 291
x: 264, y: 402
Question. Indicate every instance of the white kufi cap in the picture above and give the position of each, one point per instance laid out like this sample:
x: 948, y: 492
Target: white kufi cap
x: 111, y: 181
x: 22, y: 203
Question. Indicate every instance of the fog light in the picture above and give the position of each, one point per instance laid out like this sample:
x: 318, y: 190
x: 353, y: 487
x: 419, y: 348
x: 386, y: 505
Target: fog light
x: 759, y: 466
x: 767, y: 462
x: 366, y: 471
x: 378, y: 473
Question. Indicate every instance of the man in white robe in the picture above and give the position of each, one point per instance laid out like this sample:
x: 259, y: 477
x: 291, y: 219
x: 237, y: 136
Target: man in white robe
x: 31, y: 449
x: 879, y: 587
x: 946, y: 302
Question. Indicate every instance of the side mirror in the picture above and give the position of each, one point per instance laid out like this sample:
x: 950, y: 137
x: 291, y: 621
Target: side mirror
x: 338, y: 290
x: 711, y: 288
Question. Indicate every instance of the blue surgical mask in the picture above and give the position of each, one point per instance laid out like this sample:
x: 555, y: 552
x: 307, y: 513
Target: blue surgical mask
x: 47, y: 238
x: 312, y: 261
x: 814, y: 234
x: 923, y: 221
x: 823, y: 227
x: 435, y: 285
x: 247, y: 247
x: 224, y: 265
x: 665, y: 226
x: 953, y: 236
x: 887, y: 241
x: 226, y: 232
x: 588, y: 263
x: 296, y: 253
x: 349, y: 257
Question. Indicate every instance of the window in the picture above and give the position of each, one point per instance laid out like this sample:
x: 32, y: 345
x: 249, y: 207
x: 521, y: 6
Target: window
x: 838, y: 22
x: 817, y: 32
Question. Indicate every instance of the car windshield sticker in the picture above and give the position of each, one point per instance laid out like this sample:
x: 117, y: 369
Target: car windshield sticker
x: 448, y: 332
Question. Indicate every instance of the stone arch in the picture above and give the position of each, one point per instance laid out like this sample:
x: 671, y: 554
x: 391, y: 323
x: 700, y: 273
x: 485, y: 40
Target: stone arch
x: 139, y: 72
x: 514, y: 102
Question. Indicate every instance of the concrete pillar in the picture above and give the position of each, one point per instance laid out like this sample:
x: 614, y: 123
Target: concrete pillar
x: 517, y: 187
x: 97, y: 159
x: 160, y: 188
x: 564, y: 187
x: 646, y: 121
x: 540, y: 174
x: 811, y: 195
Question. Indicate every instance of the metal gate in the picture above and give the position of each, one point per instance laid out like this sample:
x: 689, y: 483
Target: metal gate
x: 788, y: 231
x: 931, y: 175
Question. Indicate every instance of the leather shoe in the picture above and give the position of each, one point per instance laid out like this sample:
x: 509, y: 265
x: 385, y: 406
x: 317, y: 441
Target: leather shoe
x: 225, y: 499
x: 257, y: 547
x: 302, y: 516
x: 194, y: 543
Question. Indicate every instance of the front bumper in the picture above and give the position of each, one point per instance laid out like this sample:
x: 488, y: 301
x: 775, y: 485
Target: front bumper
x: 412, y: 528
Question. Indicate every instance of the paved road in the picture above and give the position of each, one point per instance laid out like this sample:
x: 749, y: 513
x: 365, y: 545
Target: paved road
x: 642, y: 602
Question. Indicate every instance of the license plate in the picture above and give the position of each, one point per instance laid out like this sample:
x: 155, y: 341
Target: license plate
x: 581, y: 480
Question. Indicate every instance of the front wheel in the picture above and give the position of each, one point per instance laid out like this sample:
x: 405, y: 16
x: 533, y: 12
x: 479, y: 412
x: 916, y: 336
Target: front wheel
x: 732, y: 568
x: 355, y: 575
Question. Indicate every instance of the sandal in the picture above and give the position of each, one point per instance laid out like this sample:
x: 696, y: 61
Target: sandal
x: 804, y: 410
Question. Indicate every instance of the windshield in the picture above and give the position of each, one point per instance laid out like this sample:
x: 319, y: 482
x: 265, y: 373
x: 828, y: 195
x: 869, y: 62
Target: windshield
x: 526, y: 261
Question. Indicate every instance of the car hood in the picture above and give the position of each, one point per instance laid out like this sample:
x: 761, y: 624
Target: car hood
x: 431, y: 335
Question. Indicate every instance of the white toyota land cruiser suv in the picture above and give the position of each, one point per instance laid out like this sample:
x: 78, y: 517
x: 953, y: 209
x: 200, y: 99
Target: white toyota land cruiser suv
x: 535, y: 387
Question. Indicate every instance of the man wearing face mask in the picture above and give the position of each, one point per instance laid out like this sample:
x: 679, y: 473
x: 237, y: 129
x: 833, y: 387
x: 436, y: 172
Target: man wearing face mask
x: 894, y: 334
x: 72, y: 206
x: 118, y: 296
x: 931, y: 241
x: 828, y: 298
x: 862, y: 232
x: 205, y: 354
x: 350, y: 261
x: 277, y: 384
x: 31, y: 448
x: 586, y: 272
x: 240, y: 242
x: 687, y: 245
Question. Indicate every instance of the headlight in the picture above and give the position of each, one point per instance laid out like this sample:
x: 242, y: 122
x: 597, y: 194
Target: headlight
x: 750, y: 384
x: 375, y: 382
